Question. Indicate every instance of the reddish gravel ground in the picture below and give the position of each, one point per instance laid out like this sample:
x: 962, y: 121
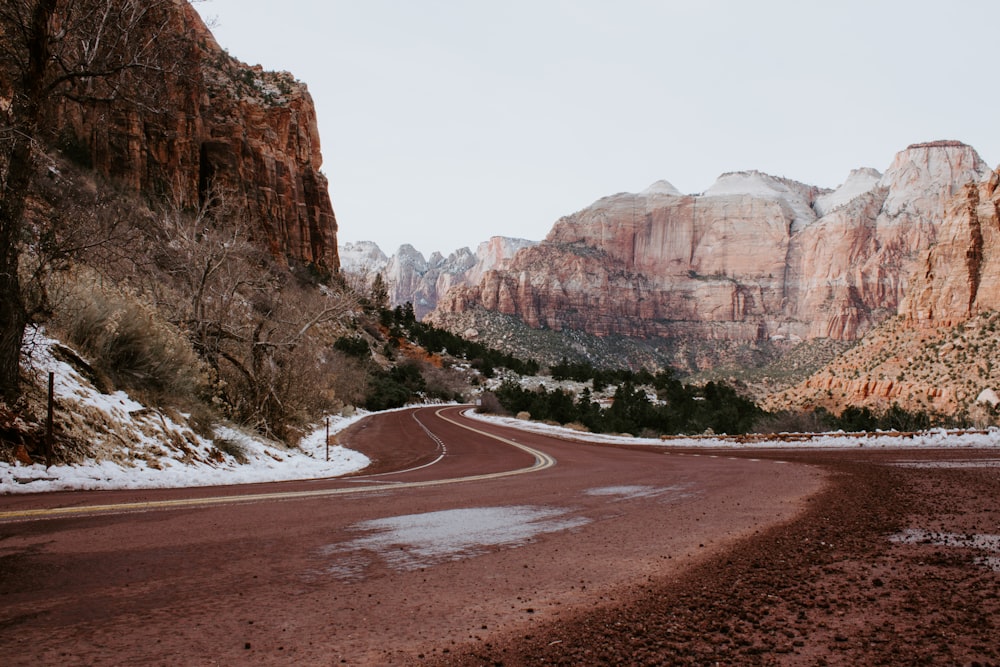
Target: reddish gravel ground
x: 830, y: 588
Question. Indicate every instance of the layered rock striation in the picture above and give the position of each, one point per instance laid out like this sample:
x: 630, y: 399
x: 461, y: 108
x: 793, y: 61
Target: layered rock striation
x: 940, y: 353
x: 753, y: 257
x: 960, y: 277
x: 213, y: 123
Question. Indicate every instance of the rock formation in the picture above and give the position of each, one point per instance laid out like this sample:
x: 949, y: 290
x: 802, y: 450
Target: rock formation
x: 753, y: 257
x: 940, y: 353
x: 420, y: 281
x: 361, y: 258
x: 214, y: 122
x: 960, y: 276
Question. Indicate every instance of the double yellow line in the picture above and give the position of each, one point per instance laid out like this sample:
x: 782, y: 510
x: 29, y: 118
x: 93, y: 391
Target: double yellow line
x: 542, y: 461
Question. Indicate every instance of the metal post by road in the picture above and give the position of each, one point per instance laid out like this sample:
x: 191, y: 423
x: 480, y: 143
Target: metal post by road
x: 327, y: 438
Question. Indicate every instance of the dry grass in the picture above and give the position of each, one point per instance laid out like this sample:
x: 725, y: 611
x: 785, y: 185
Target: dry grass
x: 126, y: 339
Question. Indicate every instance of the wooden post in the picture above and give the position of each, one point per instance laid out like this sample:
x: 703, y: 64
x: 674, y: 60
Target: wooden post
x: 48, y: 421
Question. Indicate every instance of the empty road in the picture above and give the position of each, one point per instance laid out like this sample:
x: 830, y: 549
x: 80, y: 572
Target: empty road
x: 460, y: 532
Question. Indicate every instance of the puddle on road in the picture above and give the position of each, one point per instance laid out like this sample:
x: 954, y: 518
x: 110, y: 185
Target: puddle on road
x: 982, y: 542
x: 632, y: 492
x: 414, y: 541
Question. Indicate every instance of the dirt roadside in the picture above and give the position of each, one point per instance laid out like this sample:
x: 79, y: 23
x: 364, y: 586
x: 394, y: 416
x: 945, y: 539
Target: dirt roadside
x: 831, y: 588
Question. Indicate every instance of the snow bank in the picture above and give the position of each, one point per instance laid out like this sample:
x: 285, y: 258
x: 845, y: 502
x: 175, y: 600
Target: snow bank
x: 936, y: 439
x: 265, y: 462
x: 136, y: 447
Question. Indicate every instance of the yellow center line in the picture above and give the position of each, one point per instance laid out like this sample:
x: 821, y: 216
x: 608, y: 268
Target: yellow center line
x: 542, y: 461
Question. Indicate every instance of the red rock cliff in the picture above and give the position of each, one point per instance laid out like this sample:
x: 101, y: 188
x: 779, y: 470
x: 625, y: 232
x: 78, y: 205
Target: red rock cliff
x: 960, y: 276
x: 215, y: 120
x: 752, y: 257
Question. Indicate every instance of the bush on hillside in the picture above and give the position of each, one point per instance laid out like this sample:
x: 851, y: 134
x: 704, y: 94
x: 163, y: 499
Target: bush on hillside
x: 127, y: 339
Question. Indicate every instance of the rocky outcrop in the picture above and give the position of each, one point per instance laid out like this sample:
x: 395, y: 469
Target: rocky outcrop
x: 214, y: 123
x: 940, y: 354
x: 415, y: 279
x: 752, y: 257
x: 960, y: 276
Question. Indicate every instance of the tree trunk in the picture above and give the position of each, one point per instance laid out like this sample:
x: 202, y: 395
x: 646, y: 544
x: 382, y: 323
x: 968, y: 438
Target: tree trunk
x: 12, y: 323
x: 24, y: 114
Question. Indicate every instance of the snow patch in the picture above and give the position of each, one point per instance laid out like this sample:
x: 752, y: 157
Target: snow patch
x: 636, y: 491
x: 980, y: 542
x: 138, y: 447
x: 935, y: 439
x: 412, y: 541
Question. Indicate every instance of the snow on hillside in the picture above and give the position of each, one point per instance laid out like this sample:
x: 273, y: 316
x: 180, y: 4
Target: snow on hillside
x: 136, y: 447
x: 936, y: 439
x: 143, y: 448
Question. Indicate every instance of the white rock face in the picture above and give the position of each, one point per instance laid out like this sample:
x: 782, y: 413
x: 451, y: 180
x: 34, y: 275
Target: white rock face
x: 950, y: 163
x: 988, y: 396
x: 859, y: 182
x: 421, y: 281
x: 362, y: 257
x: 798, y: 196
x: 494, y: 254
x: 663, y: 188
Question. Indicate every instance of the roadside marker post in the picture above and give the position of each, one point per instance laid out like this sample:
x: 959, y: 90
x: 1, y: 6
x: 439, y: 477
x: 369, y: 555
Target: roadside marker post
x: 49, y: 420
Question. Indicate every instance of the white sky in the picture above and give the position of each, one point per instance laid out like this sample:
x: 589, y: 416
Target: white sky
x: 445, y: 122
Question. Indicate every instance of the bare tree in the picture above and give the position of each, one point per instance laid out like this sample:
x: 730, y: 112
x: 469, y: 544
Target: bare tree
x: 75, y: 50
x: 248, y: 317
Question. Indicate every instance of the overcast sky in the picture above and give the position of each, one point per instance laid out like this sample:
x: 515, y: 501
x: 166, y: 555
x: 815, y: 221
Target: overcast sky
x: 445, y: 122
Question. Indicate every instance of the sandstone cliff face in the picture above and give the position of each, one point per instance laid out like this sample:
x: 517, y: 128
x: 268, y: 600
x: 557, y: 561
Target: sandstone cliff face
x: 217, y: 123
x: 940, y: 353
x: 960, y: 276
x: 750, y: 258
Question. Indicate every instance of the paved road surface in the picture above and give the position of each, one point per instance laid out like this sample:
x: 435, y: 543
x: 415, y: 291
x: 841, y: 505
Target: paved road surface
x: 484, y: 532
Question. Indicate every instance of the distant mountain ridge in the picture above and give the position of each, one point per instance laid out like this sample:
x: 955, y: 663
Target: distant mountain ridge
x: 753, y: 258
x: 422, y: 281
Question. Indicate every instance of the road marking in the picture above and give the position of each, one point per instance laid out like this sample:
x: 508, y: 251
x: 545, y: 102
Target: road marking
x: 542, y: 461
x: 433, y: 437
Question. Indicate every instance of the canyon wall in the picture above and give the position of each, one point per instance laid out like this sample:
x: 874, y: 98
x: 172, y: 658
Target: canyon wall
x: 212, y: 122
x: 940, y: 354
x: 960, y: 276
x: 753, y: 257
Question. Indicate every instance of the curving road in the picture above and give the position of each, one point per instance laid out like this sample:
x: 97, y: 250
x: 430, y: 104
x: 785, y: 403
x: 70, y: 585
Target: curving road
x: 460, y: 532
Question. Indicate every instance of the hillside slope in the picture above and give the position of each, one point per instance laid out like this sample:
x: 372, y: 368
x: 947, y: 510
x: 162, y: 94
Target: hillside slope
x: 942, y: 352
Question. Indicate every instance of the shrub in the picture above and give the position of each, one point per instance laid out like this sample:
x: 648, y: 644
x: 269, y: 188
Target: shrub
x: 127, y: 339
x: 385, y: 392
x: 233, y: 448
x: 490, y: 404
x: 353, y: 346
